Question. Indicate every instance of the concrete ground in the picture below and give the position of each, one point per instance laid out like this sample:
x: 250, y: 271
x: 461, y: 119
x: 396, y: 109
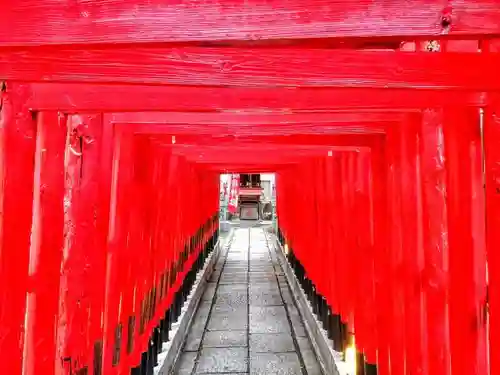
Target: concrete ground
x: 247, y: 322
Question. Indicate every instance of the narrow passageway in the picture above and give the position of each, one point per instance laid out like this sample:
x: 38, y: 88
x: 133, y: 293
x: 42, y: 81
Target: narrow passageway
x: 247, y: 322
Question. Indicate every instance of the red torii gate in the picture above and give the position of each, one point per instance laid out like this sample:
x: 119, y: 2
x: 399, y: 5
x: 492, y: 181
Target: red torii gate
x: 120, y: 63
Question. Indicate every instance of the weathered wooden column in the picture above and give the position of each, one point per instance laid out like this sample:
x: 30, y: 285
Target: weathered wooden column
x: 94, y: 201
x: 83, y: 271
x: 381, y: 251
x: 17, y: 154
x: 114, y: 318
x: 395, y: 255
x: 46, y: 245
x: 412, y: 246
x: 435, y: 241
x: 492, y: 178
x: 467, y: 255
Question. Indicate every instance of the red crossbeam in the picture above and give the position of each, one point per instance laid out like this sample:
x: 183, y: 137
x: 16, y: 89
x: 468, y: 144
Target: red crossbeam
x: 253, y: 67
x: 250, y: 118
x: 114, y: 21
x: 82, y: 97
x: 364, y: 140
x: 264, y: 130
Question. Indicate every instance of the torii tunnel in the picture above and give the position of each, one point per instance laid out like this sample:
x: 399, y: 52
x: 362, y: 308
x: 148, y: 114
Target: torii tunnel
x: 379, y: 119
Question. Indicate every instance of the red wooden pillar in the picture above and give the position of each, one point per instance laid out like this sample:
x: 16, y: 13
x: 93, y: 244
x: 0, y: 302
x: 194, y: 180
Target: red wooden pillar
x: 323, y: 232
x: 340, y: 251
x: 492, y: 176
x: 330, y: 219
x: 338, y: 228
x: 311, y: 228
x: 88, y: 207
x: 82, y: 279
x: 163, y: 221
x: 116, y: 263
x: 345, y: 243
x: 101, y: 155
x: 366, y: 324
x: 383, y: 295
x: 352, y: 241
x: 142, y: 226
x: 396, y: 328
x: 412, y: 247
x: 17, y: 151
x: 466, y: 240
x: 136, y: 166
x: 46, y: 245
x: 353, y: 278
x: 435, y: 234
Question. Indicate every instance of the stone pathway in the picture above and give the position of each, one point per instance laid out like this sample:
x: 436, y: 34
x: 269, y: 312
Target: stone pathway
x: 247, y: 322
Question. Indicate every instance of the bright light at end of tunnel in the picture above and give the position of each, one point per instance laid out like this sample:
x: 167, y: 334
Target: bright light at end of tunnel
x: 330, y: 153
x: 173, y: 139
x: 285, y: 249
x: 350, y: 357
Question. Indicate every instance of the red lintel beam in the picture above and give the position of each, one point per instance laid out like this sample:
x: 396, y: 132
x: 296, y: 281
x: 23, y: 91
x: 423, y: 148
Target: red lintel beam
x: 295, y: 139
x: 80, y: 97
x: 249, y: 169
x: 264, y: 129
x: 263, y: 164
x: 251, y: 118
x: 254, y: 67
x: 33, y: 22
x: 247, y: 155
x: 250, y: 148
x: 246, y: 152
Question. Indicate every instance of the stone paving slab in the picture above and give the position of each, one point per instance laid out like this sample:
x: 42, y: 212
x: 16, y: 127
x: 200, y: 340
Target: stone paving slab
x: 268, y: 319
x: 275, y: 364
x: 235, y: 298
x: 264, y: 285
x: 242, y: 326
x: 271, y: 343
x: 226, y: 339
x: 221, y: 360
x: 231, y: 288
x: 236, y: 309
x: 226, y: 321
x: 265, y: 298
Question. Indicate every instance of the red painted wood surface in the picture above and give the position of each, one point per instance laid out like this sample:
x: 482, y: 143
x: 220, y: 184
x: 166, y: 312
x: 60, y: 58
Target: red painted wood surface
x: 382, y: 291
x: 47, y: 244
x: 241, y: 133
x: 114, y: 319
x: 412, y: 245
x: 491, y: 136
x: 269, y: 67
x: 17, y: 153
x: 467, y: 260
x: 396, y: 329
x: 253, y: 119
x: 98, y: 179
x: 79, y: 97
x: 114, y: 21
x: 279, y: 138
x: 82, y: 272
x: 435, y: 274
